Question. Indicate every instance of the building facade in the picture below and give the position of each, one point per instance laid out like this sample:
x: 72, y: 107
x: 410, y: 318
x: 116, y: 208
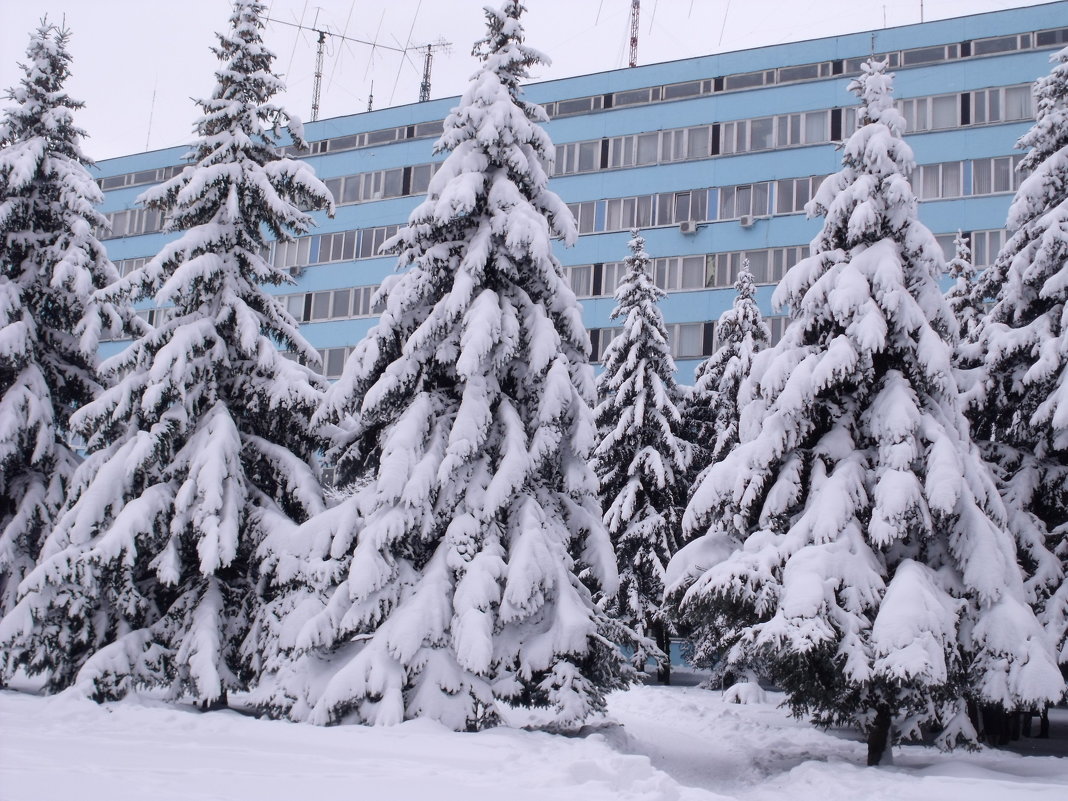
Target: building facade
x: 713, y: 157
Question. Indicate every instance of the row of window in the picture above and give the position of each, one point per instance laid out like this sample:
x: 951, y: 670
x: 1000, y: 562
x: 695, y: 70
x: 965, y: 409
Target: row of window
x: 984, y: 106
x: 383, y: 136
x: 702, y: 141
x: 333, y: 360
x: 980, y: 107
x: 685, y: 340
x: 952, y: 179
x: 333, y: 304
x: 141, y: 177
x: 359, y: 243
x: 381, y: 184
x: 786, y: 196
x: 720, y: 270
x: 762, y: 199
x: 913, y: 57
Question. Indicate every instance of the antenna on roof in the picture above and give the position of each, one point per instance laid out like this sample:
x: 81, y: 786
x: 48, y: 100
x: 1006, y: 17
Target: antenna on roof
x: 635, y: 11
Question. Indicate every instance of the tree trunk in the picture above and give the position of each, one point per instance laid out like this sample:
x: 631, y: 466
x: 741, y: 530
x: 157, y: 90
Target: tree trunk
x: 879, y: 736
x: 1043, y: 725
x: 663, y: 642
x: 218, y: 703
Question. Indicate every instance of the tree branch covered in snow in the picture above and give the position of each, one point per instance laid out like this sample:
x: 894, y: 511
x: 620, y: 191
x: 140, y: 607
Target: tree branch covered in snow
x: 876, y: 579
x: 641, y: 459
x: 469, y: 582
x: 51, y: 262
x: 203, y: 446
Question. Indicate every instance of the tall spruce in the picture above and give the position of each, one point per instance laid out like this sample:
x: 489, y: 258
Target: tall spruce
x: 1019, y: 402
x: 963, y: 297
x: 876, y: 581
x: 50, y: 323
x: 714, y: 405
x: 470, y: 582
x: 204, y: 443
x: 641, y: 458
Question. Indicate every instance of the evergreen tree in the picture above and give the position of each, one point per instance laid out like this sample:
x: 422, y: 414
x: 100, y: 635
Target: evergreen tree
x: 50, y: 324
x: 641, y: 459
x: 204, y: 443
x: 1019, y: 402
x: 714, y: 406
x: 469, y: 583
x: 963, y: 297
x: 876, y: 579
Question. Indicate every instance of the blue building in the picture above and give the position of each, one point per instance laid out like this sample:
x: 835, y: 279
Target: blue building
x: 714, y: 157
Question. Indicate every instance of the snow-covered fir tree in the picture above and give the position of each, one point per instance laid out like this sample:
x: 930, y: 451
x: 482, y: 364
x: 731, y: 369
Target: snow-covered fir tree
x: 963, y: 297
x: 1019, y: 402
x: 641, y: 459
x: 713, y: 407
x: 204, y: 443
x: 876, y: 581
x: 50, y: 323
x: 470, y: 582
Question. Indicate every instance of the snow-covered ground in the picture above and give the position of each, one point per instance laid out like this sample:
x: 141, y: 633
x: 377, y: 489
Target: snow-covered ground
x: 678, y: 743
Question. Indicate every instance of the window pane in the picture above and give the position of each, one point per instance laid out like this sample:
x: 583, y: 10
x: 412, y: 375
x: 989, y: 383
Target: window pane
x: 697, y: 146
x: 340, y: 306
x: 693, y: 272
x: 1018, y: 103
x: 589, y: 156
x: 645, y: 211
x: 689, y: 340
x: 760, y: 199
x: 979, y: 107
x: 648, y: 147
x: 761, y: 132
x: 726, y: 202
x: 351, y: 191
x: 394, y: 183
x: 582, y: 280
x: 758, y: 265
x: 982, y: 183
x: 816, y: 127
x: 335, y: 362
x: 1002, y: 175
x: 295, y: 306
x: 951, y: 179
x: 929, y: 183
x: 320, y: 306
x: 944, y: 114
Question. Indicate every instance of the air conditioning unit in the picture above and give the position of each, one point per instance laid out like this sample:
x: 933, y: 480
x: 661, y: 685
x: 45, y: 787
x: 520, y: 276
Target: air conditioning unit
x: 746, y: 220
x: 687, y: 227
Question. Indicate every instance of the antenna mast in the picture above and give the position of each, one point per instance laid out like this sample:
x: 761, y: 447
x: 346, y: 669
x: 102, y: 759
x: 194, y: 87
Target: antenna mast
x: 424, y: 87
x: 317, y: 85
x: 635, y: 10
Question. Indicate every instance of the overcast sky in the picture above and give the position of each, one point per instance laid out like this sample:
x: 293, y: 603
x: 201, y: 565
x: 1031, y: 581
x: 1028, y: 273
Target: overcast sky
x: 138, y: 63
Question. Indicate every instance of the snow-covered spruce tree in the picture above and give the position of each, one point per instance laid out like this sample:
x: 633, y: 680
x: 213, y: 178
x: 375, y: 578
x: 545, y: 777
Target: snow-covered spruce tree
x: 50, y: 323
x: 963, y: 297
x: 713, y: 407
x: 876, y: 581
x: 470, y: 583
x: 1019, y: 404
x: 641, y: 459
x: 204, y: 443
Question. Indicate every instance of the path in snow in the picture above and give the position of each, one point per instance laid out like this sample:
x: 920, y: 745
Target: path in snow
x: 674, y: 744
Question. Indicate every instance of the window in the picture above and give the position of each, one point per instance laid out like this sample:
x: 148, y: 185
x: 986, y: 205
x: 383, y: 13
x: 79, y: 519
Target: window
x: 581, y: 280
x: 334, y: 360
x: 737, y: 201
x: 599, y: 339
x: 930, y: 113
x: 127, y: 266
x: 768, y: 265
x: 993, y: 175
x: 986, y: 245
x: 777, y: 326
x: 791, y: 194
x: 1002, y: 104
x: 690, y: 340
x: 940, y: 180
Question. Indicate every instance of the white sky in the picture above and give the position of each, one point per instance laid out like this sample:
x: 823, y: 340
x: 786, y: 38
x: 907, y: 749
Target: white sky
x: 128, y: 51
